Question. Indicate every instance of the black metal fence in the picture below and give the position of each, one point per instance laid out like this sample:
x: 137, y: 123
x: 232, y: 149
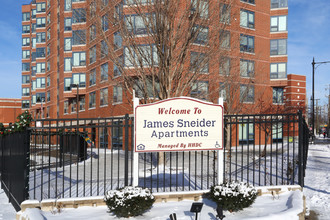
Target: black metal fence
x: 86, y: 158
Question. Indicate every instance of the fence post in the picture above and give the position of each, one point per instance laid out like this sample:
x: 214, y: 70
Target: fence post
x: 300, y: 150
x: 27, y: 168
x: 126, y: 148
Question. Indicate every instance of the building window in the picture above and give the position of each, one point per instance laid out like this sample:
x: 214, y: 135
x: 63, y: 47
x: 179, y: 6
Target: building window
x: 116, y: 69
x: 249, y: 1
x: 247, y: 19
x: 25, y: 79
x: 41, y: 22
x: 137, y: 24
x: 25, y: 54
x: 34, y: 85
x: 222, y: 91
x: 48, y: 33
x: 67, y: 24
x: 25, y: 67
x: 247, y: 43
x: 201, y: 7
x: 48, y: 65
x: 277, y: 95
x: 41, y: 37
x: 104, y: 72
x: 278, y: 23
x: 146, y: 89
x: 92, y: 77
x: 278, y: 70
x: 25, y: 91
x: 82, y: 103
x: 25, y: 41
x: 34, y: 69
x: 224, y: 13
x: 79, y: 59
x: 104, y: 97
x: 34, y: 42
x: 67, y: 5
x: 25, y: 104
x: 118, y: 41
x: 225, y: 39
x: 66, y: 107
x: 79, y: 79
x: 48, y: 81
x: 68, y: 64
x: 41, y: 67
x: 92, y: 32
x: 147, y: 52
x: 67, y: 84
x: 92, y: 100
x: 278, y: 47
x: 73, y: 105
x: 33, y: 27
x: 78, y: 15
x: 246, y: 68
x: 104, y: 49
x: 33, y: 13
x: 224, y: 66
x: 199, y: 62
x: 200, y: 90
x: 67, y: 44
x: 246, y: 132
x: 105, y: 22
x: 118, y: 13
x: 40, y: 97
x: 78, y: 0
x: 247, y: 93
x: 117, y: 94
x: 41, y: 7
x: 41, y: 82
x: 26, y: 16
x: 48, y: 96
x: 202, y: 34
x: 92, y: 54
x: 41, y: 52
x: 26, y: 29
x: 79, y: 37
x: 48, y: 49
x: 279, y: 4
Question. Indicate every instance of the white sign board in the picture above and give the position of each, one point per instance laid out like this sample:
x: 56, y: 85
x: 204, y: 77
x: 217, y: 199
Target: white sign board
x: 178, y: 124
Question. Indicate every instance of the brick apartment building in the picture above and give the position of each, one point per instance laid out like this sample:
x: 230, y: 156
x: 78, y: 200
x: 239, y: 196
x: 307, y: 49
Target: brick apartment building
x: 59, y: 49
x: 9, y: 110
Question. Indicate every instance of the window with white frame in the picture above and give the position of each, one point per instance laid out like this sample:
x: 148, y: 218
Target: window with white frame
x: 201, y: 7
x: 82, y: 103
x: 68, y: 44
x: 48, y: 18
x: 25, y: 29
x: 137, y: 24
x: 33, y: 13
x: 278, y: 23
x: 278, y: 47
x: 25, y: 104
x: 41, y: 67
x: 66, y: 107
x: 41, y: 82
x: 92, y: 100
x: 48, y: 33
x: 41, y: 37
x: 200, y: 90
x: 25, y: 41
x: 117, y: 94
x: 67, y: 5
x: 26, y: 16
x: 25, y: 79
x: 104, y: 97
x: 279, y: 4
x: 278, y: 95
x: 247, y: 93
x: 79, y: 59
x: 247, y: 18
x: 246, y: 68
x: 48, y: 65
x: 48, y: 49
x: 67, y: 84
x: 25, y: 67
x: 73, y: 105
x: 33, y: 70
x: 92, y: 77
x: 202, y: 34
x: 48, y: 81
x: 48, y: 96
x: 34, y: 42
x: 41, y: 7
x: 225, y: 39
x: 146, y: 88
x: 67, y: 64
x: 142, y: 55
x: 104, y: 72
x: 67, y: 24
x: 33, y: 27
x: 278, y: 70
x: 249, y: 1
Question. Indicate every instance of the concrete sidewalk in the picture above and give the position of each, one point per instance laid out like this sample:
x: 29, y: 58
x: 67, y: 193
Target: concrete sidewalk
x: 7, y: 211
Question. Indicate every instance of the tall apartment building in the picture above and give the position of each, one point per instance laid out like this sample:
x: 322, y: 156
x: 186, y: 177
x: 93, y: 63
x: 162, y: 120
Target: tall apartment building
x: 62, y: 45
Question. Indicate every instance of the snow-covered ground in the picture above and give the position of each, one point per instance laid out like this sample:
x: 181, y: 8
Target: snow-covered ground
x: 316, y: 190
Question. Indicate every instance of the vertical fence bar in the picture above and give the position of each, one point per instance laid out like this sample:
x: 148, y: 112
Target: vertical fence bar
x: 126, y: 149
x: 300, y: 151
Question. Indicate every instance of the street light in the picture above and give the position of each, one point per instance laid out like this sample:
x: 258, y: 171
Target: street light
x: 77, y: 101
x: 313, y: 66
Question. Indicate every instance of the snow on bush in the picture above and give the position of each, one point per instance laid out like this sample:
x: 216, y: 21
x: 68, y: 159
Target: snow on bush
x: 233, y: 196
x: 129, y: 201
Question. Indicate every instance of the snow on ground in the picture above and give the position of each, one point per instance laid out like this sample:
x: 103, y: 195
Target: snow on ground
x: 285, y: 207
x: 317, y: 180
x: 7, y: 211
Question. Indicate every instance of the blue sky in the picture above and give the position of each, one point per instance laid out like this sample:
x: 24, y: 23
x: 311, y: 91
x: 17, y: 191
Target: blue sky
x: 309, y: 35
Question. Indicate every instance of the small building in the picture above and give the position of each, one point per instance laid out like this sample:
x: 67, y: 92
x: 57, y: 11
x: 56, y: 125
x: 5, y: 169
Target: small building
x: 10, y: 108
